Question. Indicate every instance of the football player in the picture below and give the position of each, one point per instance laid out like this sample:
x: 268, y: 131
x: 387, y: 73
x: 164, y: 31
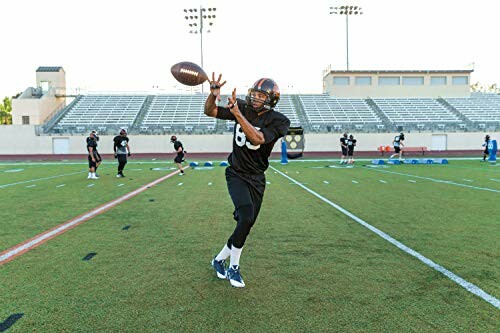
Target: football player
x: 122, y: 150
x: 343, y: 147
x: 98, y: 156
x: 257, y: 128
x: 93, y: 156
x: 486, y: 153
x: 398, y: 146
x: 351, y: 143
x: 179, y: 149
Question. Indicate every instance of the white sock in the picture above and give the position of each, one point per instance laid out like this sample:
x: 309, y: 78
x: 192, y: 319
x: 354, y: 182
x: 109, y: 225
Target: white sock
x: 235, y: 256
x: 223, y: 254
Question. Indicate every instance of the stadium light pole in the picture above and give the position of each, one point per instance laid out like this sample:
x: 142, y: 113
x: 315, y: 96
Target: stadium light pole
x: 347, y: 11
x: 198, y: 20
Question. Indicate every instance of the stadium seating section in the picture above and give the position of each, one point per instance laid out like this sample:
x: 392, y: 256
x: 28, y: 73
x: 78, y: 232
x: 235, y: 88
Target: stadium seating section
x: 157, y: 114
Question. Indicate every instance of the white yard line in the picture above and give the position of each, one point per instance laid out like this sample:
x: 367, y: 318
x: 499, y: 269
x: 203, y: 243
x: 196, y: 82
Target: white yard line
x: 449, y: 182
x: 472, y: 288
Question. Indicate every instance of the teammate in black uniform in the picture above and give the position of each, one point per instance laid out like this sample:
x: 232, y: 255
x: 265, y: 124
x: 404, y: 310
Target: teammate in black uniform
x: 486, y: 152
x: 97, y: 155
x: 122, y: 150
x: 179, y: 149
x: 93, y: 156
x: 398, y: 145
x: 343, y: 146
x: 257, y: 129
x: 351, y: 143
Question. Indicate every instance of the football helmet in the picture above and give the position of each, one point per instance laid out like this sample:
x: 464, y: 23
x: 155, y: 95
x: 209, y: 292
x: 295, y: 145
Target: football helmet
x: 173, y: 138
x: 267, y: 87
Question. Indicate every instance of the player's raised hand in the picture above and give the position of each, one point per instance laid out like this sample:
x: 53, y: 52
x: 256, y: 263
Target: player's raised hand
x: 233, y: 104
x: 216, y: 85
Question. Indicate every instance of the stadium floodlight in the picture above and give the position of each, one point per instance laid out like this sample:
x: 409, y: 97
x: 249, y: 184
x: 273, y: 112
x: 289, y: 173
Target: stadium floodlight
x: 346, y: 11
x: 198, y: 20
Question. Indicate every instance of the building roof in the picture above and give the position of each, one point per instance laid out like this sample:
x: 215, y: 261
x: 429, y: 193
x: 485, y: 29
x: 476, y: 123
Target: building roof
x: 401, y: 71
x: 49, y: 69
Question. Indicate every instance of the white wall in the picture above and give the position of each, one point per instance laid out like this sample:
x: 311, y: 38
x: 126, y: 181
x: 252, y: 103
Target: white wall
x: 21, y: 139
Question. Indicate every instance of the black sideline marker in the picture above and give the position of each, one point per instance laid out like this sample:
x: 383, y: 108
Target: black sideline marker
x: 5, y: 325
x: 89, y: 256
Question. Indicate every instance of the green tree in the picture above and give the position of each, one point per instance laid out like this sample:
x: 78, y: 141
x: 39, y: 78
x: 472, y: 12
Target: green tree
x: 478, y: 87
x: 6, y: 111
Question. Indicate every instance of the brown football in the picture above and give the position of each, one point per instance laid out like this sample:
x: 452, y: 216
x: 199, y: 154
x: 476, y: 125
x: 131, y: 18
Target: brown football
x: 188, y: 73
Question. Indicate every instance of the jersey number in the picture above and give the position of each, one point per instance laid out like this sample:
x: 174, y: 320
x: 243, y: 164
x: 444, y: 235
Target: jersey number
x: 241, y: 138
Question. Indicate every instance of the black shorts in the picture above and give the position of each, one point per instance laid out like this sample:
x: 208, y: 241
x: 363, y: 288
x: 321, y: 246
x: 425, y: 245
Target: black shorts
x: 179, y: 158
x: 350, y: 152
x: 92, y: 164
x: 344, y: 151
x: 397, y: 150
x: 486, y: 151
x: 122, y: 158
x: 97, y: 157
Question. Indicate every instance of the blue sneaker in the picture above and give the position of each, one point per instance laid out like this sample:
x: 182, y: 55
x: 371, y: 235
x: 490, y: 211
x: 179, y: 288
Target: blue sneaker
x: 219, y: 267
x: 234, y: 276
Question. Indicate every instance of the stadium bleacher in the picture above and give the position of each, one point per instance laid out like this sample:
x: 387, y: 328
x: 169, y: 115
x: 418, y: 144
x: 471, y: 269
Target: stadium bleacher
x: 415, y: 110
x: 158, y: 114
x: 102, y: 110
x: 323, y: 110
x: 178, y: 111
x: 480, y: 107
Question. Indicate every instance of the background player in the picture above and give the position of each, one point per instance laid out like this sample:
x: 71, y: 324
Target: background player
x: 486, y: 153
x: 122, y: 150
x: 179, y: 149
x: 398, y: 146
x: 257, y: 128
x: 92, y: 156
x: 351, y: 143
x: 98, y: 159
x: 343, y: 147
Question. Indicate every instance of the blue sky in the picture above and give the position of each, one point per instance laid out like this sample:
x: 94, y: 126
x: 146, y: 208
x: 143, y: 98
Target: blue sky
x: 130, y: 45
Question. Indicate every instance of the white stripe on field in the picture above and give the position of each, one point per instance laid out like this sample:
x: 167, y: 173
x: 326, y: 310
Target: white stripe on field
x: 61, y: 185
x: 495, y: 180
x: 90, y: 185
x: 355, y: 182
x: 42, y: 237
x: 120, y: 184
x: 382, y: 181
x: 472, y: 288
x: 449, y: 182
x: 46, y: 178
x: 412, y: 181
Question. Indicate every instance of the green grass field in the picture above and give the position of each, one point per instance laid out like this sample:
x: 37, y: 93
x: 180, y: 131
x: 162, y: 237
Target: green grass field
x: 307, y: 266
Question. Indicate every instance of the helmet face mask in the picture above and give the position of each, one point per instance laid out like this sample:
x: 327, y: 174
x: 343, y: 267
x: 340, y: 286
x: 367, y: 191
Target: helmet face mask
x: 263, y: 88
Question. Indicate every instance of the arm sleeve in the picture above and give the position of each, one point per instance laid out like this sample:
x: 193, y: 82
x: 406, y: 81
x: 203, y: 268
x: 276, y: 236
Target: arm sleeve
x: 277, y: 129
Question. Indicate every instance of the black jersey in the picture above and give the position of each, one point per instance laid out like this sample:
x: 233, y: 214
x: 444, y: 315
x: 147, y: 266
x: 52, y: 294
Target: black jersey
x: 93, y: 144
x: 351, y: 143
x: 246, y: 157
x: 120, y: 142
x: 177, y: 145
x: 343, y: 142
x: 397, y: 141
